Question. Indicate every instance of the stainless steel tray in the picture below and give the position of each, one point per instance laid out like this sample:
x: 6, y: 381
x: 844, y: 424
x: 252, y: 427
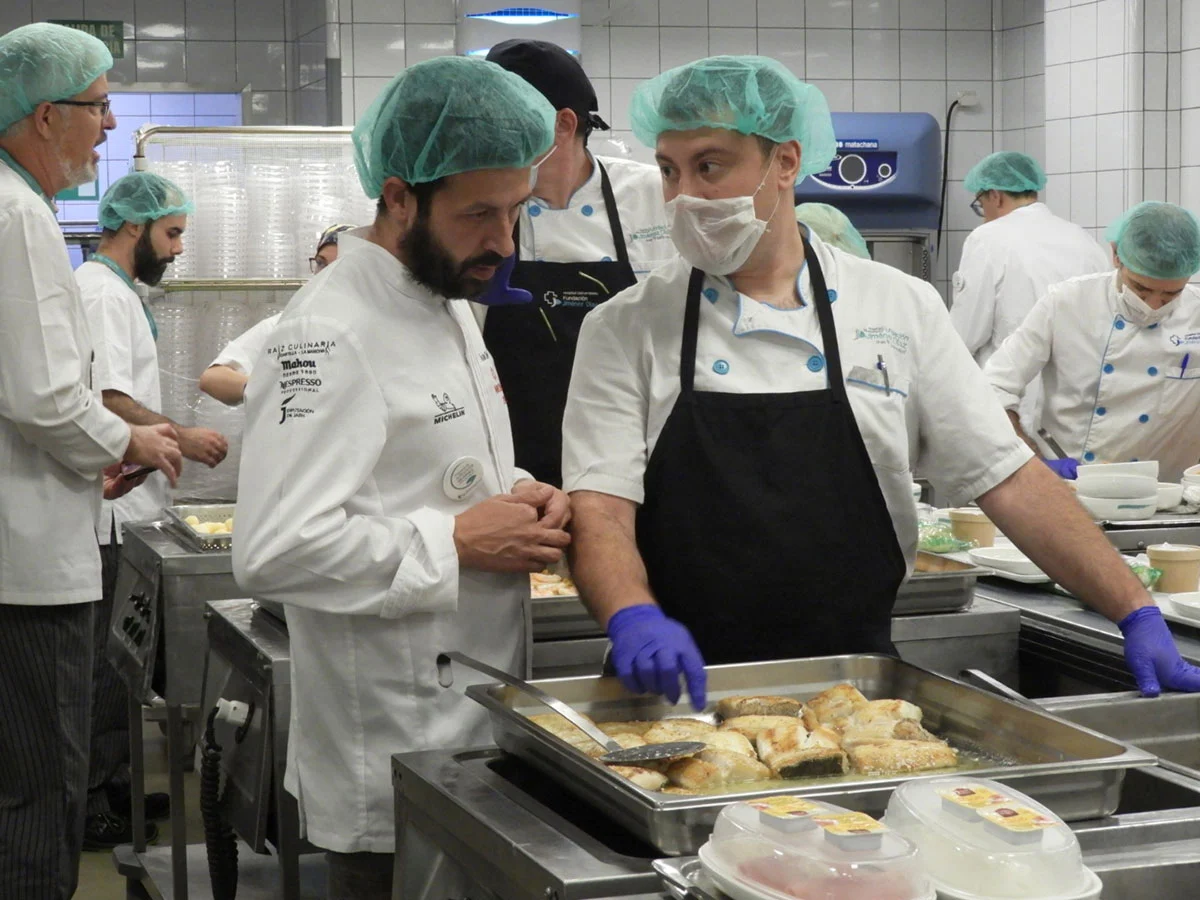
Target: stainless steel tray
x: 1074, y: 771
x: 937, y: 584
x: 205, y: 512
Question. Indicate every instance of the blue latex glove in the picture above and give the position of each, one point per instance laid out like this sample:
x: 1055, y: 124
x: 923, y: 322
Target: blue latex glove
x: 1152, y: 656
x: 499, y: 293
x: 650, y: 651
x: 1064, y: 468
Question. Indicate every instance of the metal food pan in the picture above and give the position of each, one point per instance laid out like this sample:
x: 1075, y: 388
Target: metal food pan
x: 1074, y: 771
x: 937, y: 584
x: 205, y: 512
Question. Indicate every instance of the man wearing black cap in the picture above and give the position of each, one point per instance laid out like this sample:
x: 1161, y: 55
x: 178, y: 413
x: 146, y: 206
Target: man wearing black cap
x: 594, y: 226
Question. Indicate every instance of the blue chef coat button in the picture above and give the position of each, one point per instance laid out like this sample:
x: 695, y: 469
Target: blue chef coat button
x: 1153, y: 326
x: 1108, y: 368
x: 816, y: 363
x: 1100, y: 410
x: 832, y: 295
x: 1143, y: 418
x: 1153, y: 370
x: 1089, y: 456
x: 712, y: 295
x: 587, y: 209
x: 535, y: 210
x: 721, y: 367
x: 1119, y: 325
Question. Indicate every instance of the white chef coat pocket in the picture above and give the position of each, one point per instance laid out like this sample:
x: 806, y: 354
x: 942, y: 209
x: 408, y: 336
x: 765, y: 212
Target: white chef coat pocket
x: 1180, y: 393
x: 879, y: 408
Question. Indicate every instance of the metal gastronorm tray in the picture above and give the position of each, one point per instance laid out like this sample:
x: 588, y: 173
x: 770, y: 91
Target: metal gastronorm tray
x: 205, y: 512
x: 1074, y: 771
x: 937, y: 584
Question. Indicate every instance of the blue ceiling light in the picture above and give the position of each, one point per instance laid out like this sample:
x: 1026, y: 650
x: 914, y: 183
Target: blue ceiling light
x: 522, y: 15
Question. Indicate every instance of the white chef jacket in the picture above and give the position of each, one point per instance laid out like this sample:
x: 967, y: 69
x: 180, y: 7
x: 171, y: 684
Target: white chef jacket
x: 1006, y: 265
x: 243, y: 350
x: 55, y: 434
x: 1115, y: 390
x: 126, y: 361
x: 934, y: 412
x: 370, y: 390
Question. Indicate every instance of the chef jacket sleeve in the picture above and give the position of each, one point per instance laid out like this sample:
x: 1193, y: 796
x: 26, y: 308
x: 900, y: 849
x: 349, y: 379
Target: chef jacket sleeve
x: 112, y: 339
x: 1023, y: 354
x: 976, y: 286
x: 310, y: 529
x: 604, y: 425
x: 41, y: 390
x: 966, y: 444
x: 243, y: 350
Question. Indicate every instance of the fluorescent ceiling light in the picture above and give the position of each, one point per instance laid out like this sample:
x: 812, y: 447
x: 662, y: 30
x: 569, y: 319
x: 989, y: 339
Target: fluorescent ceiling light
x: 522, y: 15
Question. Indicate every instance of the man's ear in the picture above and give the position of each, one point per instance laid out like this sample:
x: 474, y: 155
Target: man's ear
x: 565, y: 123
x: 788, y: 155
x: 400, y: 202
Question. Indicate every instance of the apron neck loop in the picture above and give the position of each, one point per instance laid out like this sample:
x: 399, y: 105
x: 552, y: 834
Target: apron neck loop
x: 610, y: 209
x: 124, y: 276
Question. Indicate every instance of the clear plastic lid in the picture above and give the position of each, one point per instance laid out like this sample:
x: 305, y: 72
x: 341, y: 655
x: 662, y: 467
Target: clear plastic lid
x: 790, y: 847
x: 980, y: 838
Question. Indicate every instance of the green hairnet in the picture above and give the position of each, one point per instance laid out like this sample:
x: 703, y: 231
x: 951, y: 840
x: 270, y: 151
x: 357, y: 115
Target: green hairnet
x: 1158, y: 240
x: 832, y: 226
x: 748, y: 94
x: 141, y: 197
x: 1008, y: 171
x: 46, y: 62
x: 448, y: 115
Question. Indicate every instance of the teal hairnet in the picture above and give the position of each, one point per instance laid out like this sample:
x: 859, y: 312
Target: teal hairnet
x: 141, y: 197
x: 1008, y: 171
x: 46, y: 62
x: 1158, y: 240
x: 749, y: 94
x: 832, y: 226
x: 448, y: 115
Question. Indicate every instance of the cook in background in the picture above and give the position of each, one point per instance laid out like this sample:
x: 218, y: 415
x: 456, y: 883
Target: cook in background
x: 593, y: 227
x: 1118, y: 353
x: 739, y: 463
x: 832, y: 227
x: 378, y: 496
x: 56, y: 440
x: 226, y: 376
x: 143, y: 217
x: 1008, y: 262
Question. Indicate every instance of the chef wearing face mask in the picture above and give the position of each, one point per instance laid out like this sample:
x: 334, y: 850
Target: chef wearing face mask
x: 740, y: 426
x: 1119, y: 353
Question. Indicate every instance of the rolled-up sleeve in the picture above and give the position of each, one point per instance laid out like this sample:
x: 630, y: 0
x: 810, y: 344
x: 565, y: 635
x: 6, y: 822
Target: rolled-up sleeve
x: 310, y: 528
x: 41, y: 360
x: 1023, y: 354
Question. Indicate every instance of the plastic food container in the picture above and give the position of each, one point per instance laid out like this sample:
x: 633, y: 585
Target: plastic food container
x: 1180, y: 564
x: 1148, y: 468
x: 969, y: 524
x: 1169, y: 495
x: 981, y: 840
x: 1105, y: 510
x: 789, y: 848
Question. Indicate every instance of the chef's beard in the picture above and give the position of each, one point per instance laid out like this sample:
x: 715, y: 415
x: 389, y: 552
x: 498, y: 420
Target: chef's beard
x: 84, y: 173
x: 433, y: 266
x: 148, y: 268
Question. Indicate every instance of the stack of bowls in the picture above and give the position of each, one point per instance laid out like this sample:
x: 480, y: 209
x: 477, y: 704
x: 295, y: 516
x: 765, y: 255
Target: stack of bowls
x: 1116, y: 492
x: 1191, y: 477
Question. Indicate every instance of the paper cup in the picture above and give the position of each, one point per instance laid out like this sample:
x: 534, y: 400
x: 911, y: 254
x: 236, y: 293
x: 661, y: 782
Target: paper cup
x: 1180, y: 565
x: 969, y: 524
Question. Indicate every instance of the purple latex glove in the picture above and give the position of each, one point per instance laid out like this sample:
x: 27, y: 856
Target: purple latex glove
x: 650, y: 652
x: 499, y: 293
x: 1152, y: 656
x: 1064, y: 468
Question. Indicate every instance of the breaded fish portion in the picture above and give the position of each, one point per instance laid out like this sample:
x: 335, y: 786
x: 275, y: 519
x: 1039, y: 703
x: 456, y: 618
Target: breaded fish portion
x: 712, y: 768
x: 750, y: 726
x: 901, y: 757
x: 561, y: 728
x: 876, y: 730
x: 839, y: 702
x: 792, y: 751
x: 669, y: 730
x: 759, y: 705
x: 643, y: 778
x: 733, y: 741
x: 638, y: 727
x: 627, y: 742
x: 887, y: 709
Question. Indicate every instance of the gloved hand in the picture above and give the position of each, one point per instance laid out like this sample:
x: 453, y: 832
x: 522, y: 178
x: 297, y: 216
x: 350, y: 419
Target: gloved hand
x: 1064, y: 468
x: 650, y: 651
x: 1152, y: 656
x: 499, y: 293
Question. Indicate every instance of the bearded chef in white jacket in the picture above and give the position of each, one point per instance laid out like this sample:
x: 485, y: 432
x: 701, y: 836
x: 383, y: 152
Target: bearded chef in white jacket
x: 1119, y: 353
x: 378, y: 497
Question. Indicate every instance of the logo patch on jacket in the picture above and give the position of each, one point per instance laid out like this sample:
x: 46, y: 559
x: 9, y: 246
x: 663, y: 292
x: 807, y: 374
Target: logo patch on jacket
x: 448, y: 409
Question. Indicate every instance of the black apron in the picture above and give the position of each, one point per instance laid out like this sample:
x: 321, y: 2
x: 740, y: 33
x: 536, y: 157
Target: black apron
x: 764, y: 529
x: 533, y: 344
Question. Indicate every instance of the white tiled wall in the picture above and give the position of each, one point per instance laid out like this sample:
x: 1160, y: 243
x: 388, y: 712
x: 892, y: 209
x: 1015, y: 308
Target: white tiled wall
x: 1020, y: 90
x: 1183, y: 141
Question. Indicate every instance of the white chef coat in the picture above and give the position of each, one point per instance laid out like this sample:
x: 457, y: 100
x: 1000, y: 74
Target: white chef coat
x: 126, y: 361
x: 934, y: 412
x: 1115, y: 390
x: 55, y: 434
x: 369, y: 391
x: 1006, y: 266
x: 243, y: 350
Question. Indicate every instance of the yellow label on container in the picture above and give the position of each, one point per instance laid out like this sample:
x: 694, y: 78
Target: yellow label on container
x: 972, y: 796
x: 850, y: 824
x: 1019, y: 819
x: 787, y: 807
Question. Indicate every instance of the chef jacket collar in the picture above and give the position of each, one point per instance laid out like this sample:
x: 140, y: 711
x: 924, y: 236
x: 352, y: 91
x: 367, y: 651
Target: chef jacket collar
x: 757, y: 316
x: 7, y: 159
x: 591, y: 187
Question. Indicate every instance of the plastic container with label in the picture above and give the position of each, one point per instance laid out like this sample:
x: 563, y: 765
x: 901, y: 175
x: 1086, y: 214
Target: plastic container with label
x: 981, y: 840
x: 790, y: 848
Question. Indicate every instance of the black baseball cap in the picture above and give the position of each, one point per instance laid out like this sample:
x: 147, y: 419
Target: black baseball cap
x: 554, y: 72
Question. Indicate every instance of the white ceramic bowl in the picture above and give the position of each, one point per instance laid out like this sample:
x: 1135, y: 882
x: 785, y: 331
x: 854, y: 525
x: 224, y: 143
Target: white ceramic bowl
x: 1186, y: 606
x: 1169, y: 495
x: 1190, y: 481
x: 1146, y: 468
x: 1115, y: 487
x: 1192, y: 470
x: 1108, y: 510
x: 1007, y: 559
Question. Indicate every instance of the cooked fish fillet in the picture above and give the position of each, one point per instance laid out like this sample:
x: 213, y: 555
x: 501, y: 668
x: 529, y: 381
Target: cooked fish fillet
x: 669, y: 730
x: 888, y: 709
x: 792, y: 751
x: 750, y: 726
x: 875, y: 730
x: 710, y: 769
x: 896, y: 757
x: 561, y: 728
x: 764, y: 705
x: 733, y: 741
x: 634, y: 727
x: 627, y: 741
x: 643, y: 778
x: 839, y: 702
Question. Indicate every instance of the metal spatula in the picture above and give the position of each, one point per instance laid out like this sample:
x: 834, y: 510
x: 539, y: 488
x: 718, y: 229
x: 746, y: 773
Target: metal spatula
x: 616, y: 755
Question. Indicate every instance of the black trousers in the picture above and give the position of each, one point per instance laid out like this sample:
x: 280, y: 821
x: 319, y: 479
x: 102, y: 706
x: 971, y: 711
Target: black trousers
x: 45, y: 715
x: 360, y: 876
x: 108, y: 765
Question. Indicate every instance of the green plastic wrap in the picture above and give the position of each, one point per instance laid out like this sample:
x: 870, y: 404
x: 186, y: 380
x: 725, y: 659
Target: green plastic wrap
x: 936, y: 537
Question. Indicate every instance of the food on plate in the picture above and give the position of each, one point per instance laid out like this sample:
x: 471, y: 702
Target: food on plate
x: 792, y: 751
x: 763, y: 705
x: 547, y: 584
x: 900, y: 757
x: 642, y: 777
x: 733, y: 741
x: 839, y: 702
x: 634, y: 727
x: 750, y: 726
x: 793, y: 878
x: 712, y: 768
x: 669, y: 730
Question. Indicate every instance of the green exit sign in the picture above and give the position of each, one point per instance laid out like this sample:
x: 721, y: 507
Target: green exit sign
x: 112, y: 33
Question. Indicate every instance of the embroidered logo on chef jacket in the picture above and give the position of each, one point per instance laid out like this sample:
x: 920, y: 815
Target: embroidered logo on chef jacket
x: 287, y: 411
x: 448, y: 409
x: 301, y: 348
x: 877, y: 334
x: 1180, y: 340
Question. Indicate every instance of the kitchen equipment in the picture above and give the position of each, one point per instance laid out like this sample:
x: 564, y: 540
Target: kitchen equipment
x: 1180, y: 565
x: 616, y: 755
x: 1077, y: 772
x: 970, y: 524
x: 1052, y: 443
x: 1006, y: 559
x: 1115, y: 487
x: 1146, y: 468
x: 1120, y: 510
x: 937, y: 584
x: 205, y: 512
x: 1169, y: 495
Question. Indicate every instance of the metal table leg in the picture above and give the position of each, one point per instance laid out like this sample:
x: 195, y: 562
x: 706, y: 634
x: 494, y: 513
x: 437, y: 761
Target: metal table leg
x: 176, y: 747
x: 137, y: 774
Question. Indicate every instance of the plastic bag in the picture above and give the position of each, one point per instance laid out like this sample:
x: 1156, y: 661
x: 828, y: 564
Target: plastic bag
x: 1147, y: 574
x: 937, y: 537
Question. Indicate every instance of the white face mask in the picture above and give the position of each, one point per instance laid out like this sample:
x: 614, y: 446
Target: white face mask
x: 537, y: 167
x: 1137, y: 310
x: 717, y: 236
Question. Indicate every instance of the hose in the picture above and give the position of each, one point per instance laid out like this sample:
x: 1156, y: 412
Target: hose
x: 219, y: 839
x: 945, y: 175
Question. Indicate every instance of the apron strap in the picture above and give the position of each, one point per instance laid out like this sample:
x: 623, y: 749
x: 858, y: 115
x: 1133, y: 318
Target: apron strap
x: 614, y: 220
x: 691, y: 327
x: 829, y: 341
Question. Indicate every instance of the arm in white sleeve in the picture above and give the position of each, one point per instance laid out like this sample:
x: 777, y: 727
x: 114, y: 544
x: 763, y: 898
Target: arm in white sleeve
x: 112, y: 340
x: 41, y: 362
x: 310, y: 530
x: 1023, y: 354
x: 976, y: 285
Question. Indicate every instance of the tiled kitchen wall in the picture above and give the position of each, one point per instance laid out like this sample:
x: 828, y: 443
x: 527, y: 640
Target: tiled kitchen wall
x: 306, y: 76
x: 1020, y: 90
x: 1189, y: 103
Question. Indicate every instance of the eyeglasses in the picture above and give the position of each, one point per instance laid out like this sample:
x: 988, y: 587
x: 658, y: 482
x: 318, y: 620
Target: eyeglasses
x: 316, y: 264
x: 976, y: 206
x: 103, y: 105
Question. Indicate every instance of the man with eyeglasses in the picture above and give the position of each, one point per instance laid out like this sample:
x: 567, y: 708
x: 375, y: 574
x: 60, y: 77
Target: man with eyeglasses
x: 1008, y: 262
x: 60, y: 451
x: 1119, y: 352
